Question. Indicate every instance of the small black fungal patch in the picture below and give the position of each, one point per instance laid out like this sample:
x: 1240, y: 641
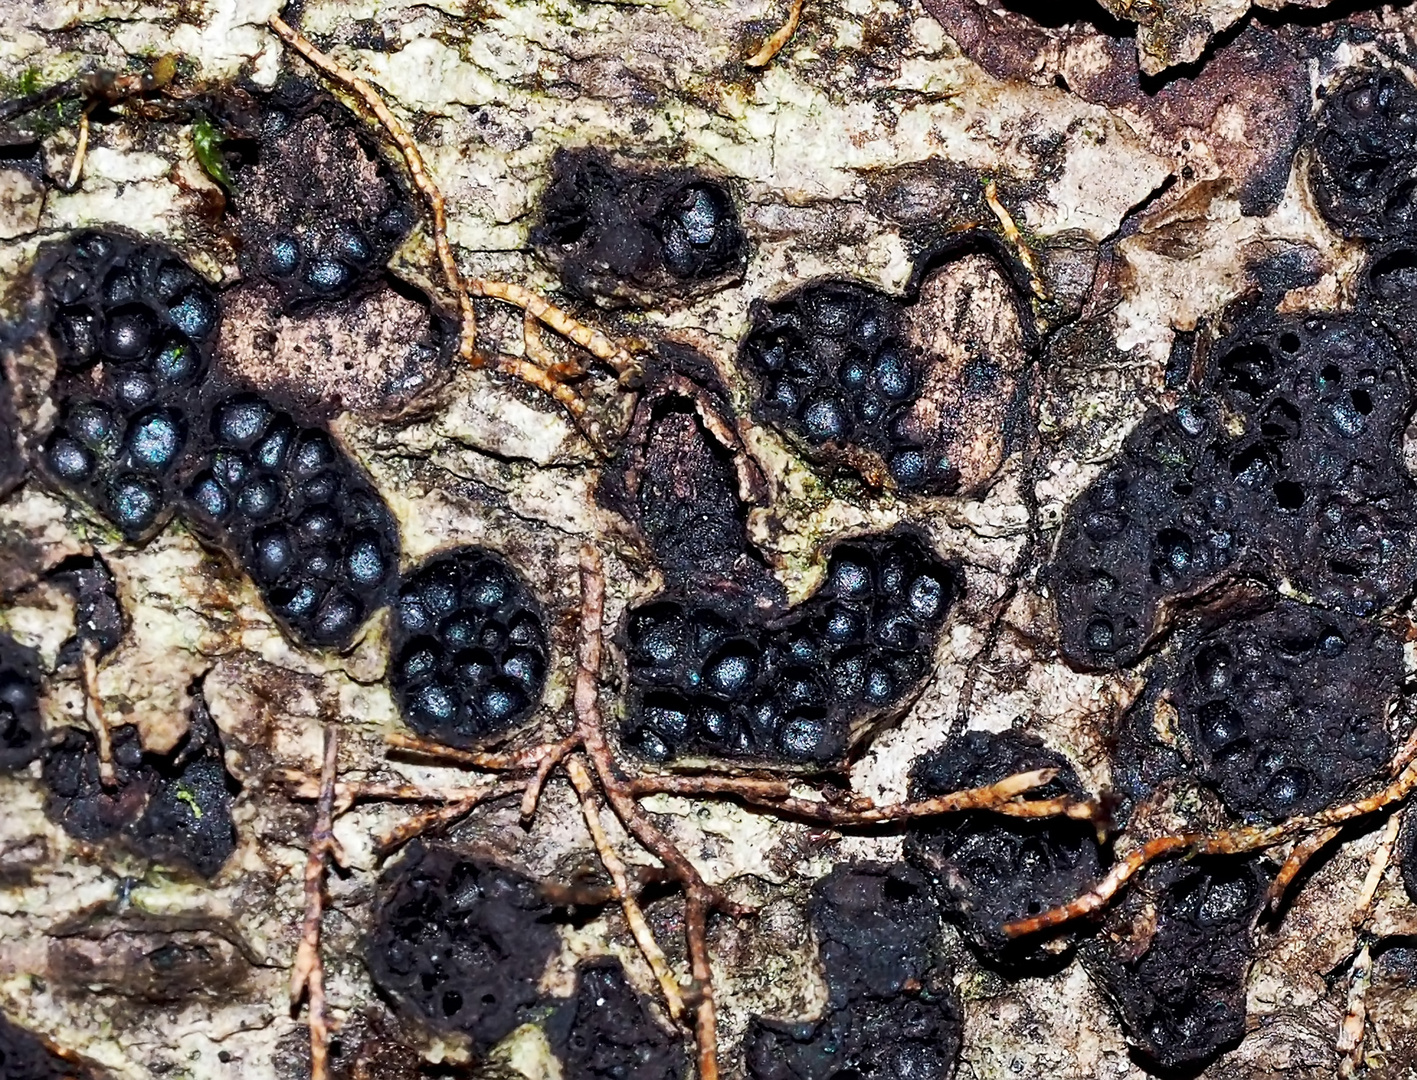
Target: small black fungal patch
x: 685, y: 481
x: 1389, y: 292
x: 717, y: 680
x: 988, y: 869
x: 21, y: 728
x: 1363, y: 169
x: 318, y: 211
x: 173, y: 808
x: 1174, y: 956
x: 23, y: 1056
x: 835, y: 368
x: 1285, y: 466
x: 133, y: 328
x: 620, y: 233
x: 98, y: 611
x: 916, y: 392
x: 297, y: 513
x: 890, y: 1008
x: 605, y: 1032
x: 12, y: 464
x: 469, y: 647
x: 460, y: 942
x: 1285, y: 712
x: 1406, y: 855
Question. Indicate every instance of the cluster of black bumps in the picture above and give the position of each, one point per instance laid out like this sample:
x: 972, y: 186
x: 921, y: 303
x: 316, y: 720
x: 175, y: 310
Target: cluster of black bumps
x: 143, y: 430
x: 890, y: 1008
x: 841, y: 366
x: 20, y: 725
x: 711, y: 680
x: 174, y: 808
x: 836, y: 369
x: 460, y: 942
x: 300, y: 517
x: 987, y: 869
x: 617, y: 233
x: 1285, y: 467
x: 1175, y: 953
x: 315, y: 234
x: 469, y: 647
x: 1363, y: 169
x: 604, y: 1032
x: 133, y: 327
x: 1283, y: 712
x: 1281, y: 470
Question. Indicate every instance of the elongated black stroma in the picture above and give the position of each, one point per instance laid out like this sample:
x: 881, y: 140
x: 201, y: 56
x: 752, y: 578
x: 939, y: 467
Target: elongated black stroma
x: 729, y: 681
x: 297, y: 513
x: 620, y: 232
x: 133, y: 327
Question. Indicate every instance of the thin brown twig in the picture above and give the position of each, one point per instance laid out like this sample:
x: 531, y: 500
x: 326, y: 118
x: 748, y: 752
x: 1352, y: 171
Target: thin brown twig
x: 699, y: 896
x: 347, y: 793
x: 412, y: 158
x: 534, y: 344
x: 774, y: 796
x: 1298, y: 858
x: 594, y: 341
x: 1012, y: 234
x: 615, y: 867
x: 511, y: 761
x: 548, y: 382
x: 443, y: 816
x: 1351, y: 1030
x: 1377, y: 866
x: 705, y: 1012
x: 81, y: 151
x: 779, y: 38
x: 307, y: 978
x: 1226, y: 842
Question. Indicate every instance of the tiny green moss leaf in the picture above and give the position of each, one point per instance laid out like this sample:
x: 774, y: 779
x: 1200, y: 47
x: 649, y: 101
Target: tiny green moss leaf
x: 185, y: 794
x: 206, y: 143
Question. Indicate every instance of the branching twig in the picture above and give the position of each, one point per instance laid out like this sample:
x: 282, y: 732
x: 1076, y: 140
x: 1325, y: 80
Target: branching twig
x: 545, y: 380
x: 412, y: 158
x: 444, y: 816
x: 307, y: 978
x: 1227, y: 842
x: 615, y: 867
x: 699, y: 896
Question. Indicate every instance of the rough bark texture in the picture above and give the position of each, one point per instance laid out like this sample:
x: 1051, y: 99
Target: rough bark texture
x: 1134, y: 202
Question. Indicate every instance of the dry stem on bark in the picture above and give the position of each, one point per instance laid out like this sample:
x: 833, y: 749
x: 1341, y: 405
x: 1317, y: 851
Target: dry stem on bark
x: 307, y: 978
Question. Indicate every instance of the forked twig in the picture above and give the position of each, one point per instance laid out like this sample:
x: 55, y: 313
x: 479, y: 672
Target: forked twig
x: 546, y: 380
x: 1226, y: 842
x: 437, y: 207
x: 615, y: 867
x: 307, y: 978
